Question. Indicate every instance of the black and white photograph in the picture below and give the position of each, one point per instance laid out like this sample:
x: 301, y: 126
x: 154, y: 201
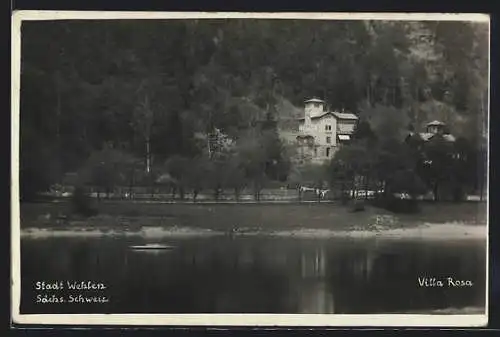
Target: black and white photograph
x: 260, y: 169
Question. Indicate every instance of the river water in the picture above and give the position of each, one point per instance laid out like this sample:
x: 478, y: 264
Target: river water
x: 251, y: 275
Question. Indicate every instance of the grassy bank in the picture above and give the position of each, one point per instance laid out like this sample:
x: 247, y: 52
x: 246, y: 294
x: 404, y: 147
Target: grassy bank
x: 223, y: 217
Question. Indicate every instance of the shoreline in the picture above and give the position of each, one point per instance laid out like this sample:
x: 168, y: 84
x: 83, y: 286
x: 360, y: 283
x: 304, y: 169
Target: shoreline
x: 427, y: 231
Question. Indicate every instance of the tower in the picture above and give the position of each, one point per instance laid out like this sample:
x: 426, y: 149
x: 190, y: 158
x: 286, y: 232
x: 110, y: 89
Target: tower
x: 313, y: 107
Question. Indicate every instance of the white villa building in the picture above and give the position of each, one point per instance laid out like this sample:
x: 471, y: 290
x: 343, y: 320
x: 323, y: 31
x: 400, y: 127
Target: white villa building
x: 321, y: 132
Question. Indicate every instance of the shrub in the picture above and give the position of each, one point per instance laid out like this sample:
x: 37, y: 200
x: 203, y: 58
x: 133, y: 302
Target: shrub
x: 397, y: 205
x: 358, y: 206
x: 82, y: 203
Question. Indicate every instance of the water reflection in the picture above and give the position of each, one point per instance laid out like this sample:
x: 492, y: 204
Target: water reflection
x: 257, y: 275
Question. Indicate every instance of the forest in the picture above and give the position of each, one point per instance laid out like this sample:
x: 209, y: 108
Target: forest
x: 198, y: 103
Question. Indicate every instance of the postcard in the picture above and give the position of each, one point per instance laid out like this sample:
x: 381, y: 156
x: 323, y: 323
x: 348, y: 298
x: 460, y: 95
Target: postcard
x: 250, y: 169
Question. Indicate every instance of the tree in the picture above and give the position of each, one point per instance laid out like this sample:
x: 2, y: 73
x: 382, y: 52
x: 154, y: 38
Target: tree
x: 408, y: 182
x: 468, y: 167
x: 80, y: 88
x: 348, y: 166
x: 39, y: 169
x: 134, y: 174
x: 438, y: 166
x: 253, y: 160
x: 218, y: 169
x: 405, y: 183
x: 463, y: 168
x: 178, y: 167
x: 363, y: 130
x: 387, y: 122
x: 277, y: 161
x: 81, y: 202
x: 309, y: 175
x: 144, y: 123
x: 220, y: 150
x: 106, y: 169
x: 197, y: 171
x: 235, y: 175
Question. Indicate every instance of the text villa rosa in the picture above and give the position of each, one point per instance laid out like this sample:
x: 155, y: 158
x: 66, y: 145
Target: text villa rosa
x: 445, y: 282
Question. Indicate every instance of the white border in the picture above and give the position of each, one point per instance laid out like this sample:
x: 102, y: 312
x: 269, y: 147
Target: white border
x: 113, y: 15
x: 262, y: 320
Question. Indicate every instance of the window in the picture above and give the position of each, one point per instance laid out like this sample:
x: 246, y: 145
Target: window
x: 328, y: 152
x: 328, y: 128
x: 328, y: 140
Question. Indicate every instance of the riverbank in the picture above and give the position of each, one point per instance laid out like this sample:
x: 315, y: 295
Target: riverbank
x: 226, y: 216
x: 444, y: 220
x: 451, y: 231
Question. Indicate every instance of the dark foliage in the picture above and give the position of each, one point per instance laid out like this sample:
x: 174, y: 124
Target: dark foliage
x: 397, y: 205
x: 148, y: 88
x: 82, y: 203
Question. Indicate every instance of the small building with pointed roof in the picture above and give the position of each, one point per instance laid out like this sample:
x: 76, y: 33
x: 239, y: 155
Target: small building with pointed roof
x: 432, y: 129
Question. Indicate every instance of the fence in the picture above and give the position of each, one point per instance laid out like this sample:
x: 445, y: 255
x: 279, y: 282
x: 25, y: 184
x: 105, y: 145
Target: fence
x: 283, y: 194
x: 164, y: 193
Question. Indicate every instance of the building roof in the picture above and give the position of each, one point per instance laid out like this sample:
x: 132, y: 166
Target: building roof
x: 345, y: 115
x: 338, y: 115
x: 435, y: 123
x: 314, y: 100
x: 427, y: 136
x: 449, y: 137
x: 322, y: 115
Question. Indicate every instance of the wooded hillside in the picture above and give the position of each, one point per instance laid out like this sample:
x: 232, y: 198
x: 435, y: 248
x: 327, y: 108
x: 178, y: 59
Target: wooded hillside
x: 129, y: 83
